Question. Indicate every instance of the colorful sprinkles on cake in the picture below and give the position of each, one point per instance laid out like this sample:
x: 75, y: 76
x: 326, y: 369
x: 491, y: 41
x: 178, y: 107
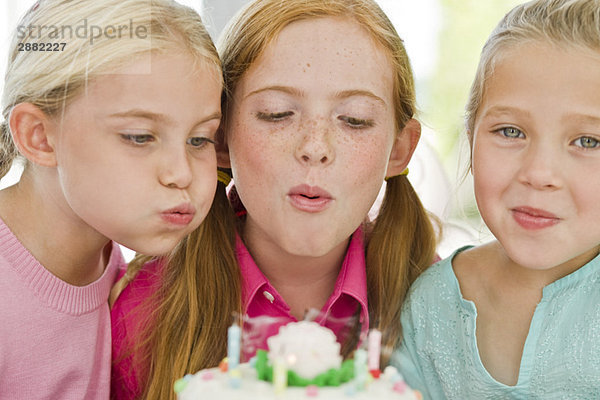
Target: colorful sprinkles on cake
x: 274, y: 375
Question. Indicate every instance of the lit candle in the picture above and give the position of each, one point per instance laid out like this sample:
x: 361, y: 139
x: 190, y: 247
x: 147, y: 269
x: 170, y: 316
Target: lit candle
x: 279, y: 375
x: 234, y: 334
x: 360, y: 368
x: 374, y: 349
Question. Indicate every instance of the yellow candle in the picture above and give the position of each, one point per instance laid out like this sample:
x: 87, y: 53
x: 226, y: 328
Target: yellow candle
x: 279, y: 375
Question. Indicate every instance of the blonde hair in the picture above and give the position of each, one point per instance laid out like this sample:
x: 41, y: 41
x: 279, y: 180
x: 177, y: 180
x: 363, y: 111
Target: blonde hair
x: 128, y: 29
x: 51, y: 80
x: 559, y: 22
x: 401, y: 243
x: 184, y: 326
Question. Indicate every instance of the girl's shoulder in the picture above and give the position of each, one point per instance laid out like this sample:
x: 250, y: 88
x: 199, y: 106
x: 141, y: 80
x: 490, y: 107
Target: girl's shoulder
x: 476, y: 269
x: 447, y: 279
x: 437, y: 283
x: 471, y: 259
x: 436, y: 296
x: 442, y: 270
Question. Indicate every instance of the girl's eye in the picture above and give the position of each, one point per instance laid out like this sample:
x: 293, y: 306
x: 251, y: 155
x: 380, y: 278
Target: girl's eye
x: 273, y: 117
x: 357, y: 123
x: 137, y: 140
x: 511, y: 132
x: 587, y: 142
x: 199, y: 141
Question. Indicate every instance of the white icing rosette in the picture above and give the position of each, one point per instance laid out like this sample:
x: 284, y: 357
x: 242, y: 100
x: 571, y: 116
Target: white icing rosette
x: 307, y: 348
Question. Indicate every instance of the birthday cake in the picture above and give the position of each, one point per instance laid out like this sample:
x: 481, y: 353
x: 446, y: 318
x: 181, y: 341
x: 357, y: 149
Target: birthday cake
x: 303, y: 362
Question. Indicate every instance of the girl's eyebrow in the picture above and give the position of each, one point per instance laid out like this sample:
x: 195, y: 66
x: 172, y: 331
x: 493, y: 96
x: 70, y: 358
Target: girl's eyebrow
x: 298, y: 93
x: 278, y: 88
x: 158, y: 117
x: 358, y: 92
x: 497, y: 111
x: 144, y: 114
x: 584, y: 118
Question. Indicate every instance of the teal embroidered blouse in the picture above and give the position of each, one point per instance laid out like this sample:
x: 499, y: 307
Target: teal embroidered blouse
x: 561, y: 356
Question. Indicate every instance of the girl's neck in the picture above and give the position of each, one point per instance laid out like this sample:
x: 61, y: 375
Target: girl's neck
x: 304, y: 282
x: 500, y: 269
x: 45, y: 225
x: 539, y: 279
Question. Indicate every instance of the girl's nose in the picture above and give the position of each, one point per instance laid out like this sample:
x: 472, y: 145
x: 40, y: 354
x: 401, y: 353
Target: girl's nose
x: 175, y: 170
x: 315, y: 146
x: 541, y: 167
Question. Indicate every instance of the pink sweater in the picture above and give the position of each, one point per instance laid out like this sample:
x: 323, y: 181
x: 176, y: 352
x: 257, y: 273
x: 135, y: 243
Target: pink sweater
x: 54, y: 337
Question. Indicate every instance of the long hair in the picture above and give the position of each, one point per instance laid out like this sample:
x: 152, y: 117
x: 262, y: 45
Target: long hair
x: 50, y: 80
x: 199, y: 292
x: 572, y: 23
x: 402, y: 241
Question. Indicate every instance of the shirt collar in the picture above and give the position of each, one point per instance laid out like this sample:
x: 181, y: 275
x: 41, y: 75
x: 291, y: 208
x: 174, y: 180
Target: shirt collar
x: 351, y: 280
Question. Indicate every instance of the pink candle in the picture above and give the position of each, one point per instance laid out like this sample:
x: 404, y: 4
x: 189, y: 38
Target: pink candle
x: 374, y: 349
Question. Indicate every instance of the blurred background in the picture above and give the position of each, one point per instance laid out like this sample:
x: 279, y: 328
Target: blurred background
x: 443, y: 39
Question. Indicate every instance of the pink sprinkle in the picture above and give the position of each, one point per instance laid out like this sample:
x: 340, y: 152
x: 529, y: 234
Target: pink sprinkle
x: 312, y: 391
x: 207, y: 376
x: 400, y: 387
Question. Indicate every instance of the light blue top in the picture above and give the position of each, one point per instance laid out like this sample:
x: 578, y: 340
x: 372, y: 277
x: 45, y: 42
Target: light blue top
x: 561, y: 356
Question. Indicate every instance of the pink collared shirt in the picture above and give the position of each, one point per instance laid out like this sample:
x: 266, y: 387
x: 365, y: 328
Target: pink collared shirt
x: 349, y: 294
x: 268, y: 311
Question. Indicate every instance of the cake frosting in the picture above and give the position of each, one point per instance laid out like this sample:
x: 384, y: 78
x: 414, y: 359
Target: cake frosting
x: 313, y: 368
x: 309, y: 347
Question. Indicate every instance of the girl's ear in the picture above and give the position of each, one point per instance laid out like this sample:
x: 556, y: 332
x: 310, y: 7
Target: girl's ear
x: 222, y: 149
x: 31, y: 130
x: 404, y: 147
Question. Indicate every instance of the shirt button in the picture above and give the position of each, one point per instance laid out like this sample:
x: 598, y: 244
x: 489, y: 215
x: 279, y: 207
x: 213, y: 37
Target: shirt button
x: 269, y: 296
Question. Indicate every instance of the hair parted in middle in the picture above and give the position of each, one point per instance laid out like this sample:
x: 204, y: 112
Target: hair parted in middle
x: 401, y: 242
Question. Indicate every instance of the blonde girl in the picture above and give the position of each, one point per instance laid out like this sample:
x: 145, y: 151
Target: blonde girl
x: 518, y: 318
x: 114, y: 105
x: 318, y: 110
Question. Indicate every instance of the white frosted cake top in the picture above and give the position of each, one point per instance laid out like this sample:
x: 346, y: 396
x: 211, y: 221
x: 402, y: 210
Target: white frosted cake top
x: 308, y: 348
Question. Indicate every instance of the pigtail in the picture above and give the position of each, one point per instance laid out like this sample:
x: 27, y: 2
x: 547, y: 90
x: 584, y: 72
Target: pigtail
x: 200, y: 292
x: 401, y: 245
x: 8, y: 150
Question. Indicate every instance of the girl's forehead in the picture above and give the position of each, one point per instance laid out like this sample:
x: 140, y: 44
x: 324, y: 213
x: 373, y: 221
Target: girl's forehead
x: 311, y: 43
x: 543, y: 79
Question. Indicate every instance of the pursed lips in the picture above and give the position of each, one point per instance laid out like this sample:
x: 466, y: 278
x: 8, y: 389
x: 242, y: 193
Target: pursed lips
x: 182, y: 214
x: 311, y: 199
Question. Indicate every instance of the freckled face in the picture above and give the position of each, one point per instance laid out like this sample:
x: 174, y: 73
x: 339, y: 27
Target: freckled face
x: 310, y: 132
x: 536, y: 155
